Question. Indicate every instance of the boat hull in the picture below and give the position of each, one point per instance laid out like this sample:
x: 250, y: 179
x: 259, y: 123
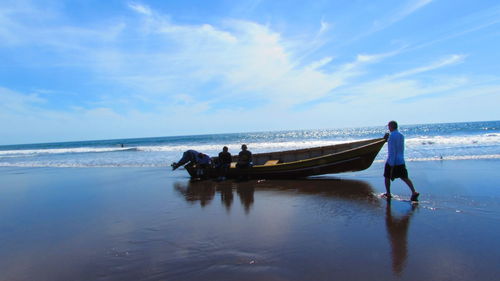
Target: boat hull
x: 355, y: 156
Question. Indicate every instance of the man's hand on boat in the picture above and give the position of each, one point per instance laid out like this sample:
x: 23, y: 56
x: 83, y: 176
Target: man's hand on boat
x: 386, y: 136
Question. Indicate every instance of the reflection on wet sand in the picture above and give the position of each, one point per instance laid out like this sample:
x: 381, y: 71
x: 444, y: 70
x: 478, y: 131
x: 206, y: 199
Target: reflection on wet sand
x: 204, y: 191
x: 397, y: 213
x: 397, y: 230
x: 226, y: 196
x: 245, y: 192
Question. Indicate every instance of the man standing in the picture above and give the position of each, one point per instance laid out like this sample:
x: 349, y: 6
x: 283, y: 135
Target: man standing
x: 395, y: 165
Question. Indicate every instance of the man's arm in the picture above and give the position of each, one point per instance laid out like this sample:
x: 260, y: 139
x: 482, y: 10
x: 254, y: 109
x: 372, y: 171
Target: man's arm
x: 391, y: 148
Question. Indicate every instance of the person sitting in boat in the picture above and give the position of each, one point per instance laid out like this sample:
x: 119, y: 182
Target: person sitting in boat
x: 244, y: 158
x: 189, y: 156
x: 224, y: 162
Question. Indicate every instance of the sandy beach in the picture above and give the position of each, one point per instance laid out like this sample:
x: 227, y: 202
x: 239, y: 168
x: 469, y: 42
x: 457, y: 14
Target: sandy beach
x: 154, y: 224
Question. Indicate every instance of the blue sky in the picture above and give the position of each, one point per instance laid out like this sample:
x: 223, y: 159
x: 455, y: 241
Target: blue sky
x: 79, y: 70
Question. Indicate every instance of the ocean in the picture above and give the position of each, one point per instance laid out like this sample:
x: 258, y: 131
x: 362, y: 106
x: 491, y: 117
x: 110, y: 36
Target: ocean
x: 424, y: 142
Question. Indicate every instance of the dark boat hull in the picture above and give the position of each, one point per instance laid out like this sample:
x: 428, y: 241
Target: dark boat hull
x: 349, y: 157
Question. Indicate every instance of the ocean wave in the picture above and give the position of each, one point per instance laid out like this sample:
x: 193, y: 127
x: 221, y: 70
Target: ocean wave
x: 257, y: 147
x: 412, y: 142
x: 83, y: 165
x: 448, y: 158
x: 471, y: 140
x: 32, y: 152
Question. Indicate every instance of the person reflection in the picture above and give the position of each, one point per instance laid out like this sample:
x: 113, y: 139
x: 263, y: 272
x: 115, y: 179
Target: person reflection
x: 397, y: 230
x: 226, y: 195
x: 197, y: 191
x: 246, y: 191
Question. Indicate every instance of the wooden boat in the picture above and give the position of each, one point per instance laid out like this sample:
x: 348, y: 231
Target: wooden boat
x: 300, y: 163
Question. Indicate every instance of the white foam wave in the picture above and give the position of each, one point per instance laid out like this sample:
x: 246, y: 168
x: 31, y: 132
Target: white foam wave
x: 27, y: 152
x: 490, y: 139
x: 448, y: 158
x: 257, y: 147
x: 82, y: 165
x: 262, y: 146
x: 474, y: 140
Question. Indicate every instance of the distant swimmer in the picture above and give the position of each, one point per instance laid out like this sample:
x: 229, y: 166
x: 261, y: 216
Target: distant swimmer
x: 395, y: 165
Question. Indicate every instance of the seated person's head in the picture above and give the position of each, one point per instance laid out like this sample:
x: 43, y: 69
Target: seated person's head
x: 244, y: 147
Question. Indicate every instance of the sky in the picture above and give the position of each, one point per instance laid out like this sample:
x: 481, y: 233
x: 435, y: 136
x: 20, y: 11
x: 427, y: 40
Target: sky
x: 87, y: 70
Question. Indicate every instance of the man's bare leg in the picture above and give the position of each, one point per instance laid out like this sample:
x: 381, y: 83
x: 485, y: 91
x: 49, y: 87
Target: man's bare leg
x: 414, y: 193
x: 387, y: 187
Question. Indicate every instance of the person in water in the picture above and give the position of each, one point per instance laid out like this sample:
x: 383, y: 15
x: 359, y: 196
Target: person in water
x: 244, y: 158
x: 395, y: 165
x: 224, y: 162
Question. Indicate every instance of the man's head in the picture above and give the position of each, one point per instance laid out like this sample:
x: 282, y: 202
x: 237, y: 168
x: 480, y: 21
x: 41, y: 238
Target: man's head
x: 225, y: 149
x: 393, y: 125
x: 244, y: 147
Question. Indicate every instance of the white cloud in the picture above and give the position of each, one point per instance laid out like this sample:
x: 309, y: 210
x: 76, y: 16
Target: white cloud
x: 141, y: 9
x: 237, y: 58
x: 412, y: 7
x: 449, y: 60
x: 408, y: 9
x: 325, y: 26
x: 11, y: 101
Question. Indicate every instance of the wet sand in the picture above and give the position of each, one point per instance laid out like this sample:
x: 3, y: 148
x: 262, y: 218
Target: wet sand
x: 153, y: 224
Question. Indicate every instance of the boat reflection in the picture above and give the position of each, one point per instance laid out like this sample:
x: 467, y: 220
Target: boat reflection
x: 204, y: 191
x: 397, y: 213
x: 397, y: 224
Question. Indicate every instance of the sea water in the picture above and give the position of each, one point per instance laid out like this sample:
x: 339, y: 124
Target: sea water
x: 424, y: 142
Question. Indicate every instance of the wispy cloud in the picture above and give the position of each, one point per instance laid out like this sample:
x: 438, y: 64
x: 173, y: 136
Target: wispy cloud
x: 142, y: 9
x: 464, y: 26
x: 246, y: 59
x: 405, y: 85
x: 240, y: 61
x: 11, y: 101
x: 405, y: 11
x: 449, y: 60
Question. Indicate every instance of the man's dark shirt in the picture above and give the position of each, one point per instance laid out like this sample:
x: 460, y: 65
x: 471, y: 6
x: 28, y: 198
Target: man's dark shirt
x: 245, y: 157
x: 225, y: 157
